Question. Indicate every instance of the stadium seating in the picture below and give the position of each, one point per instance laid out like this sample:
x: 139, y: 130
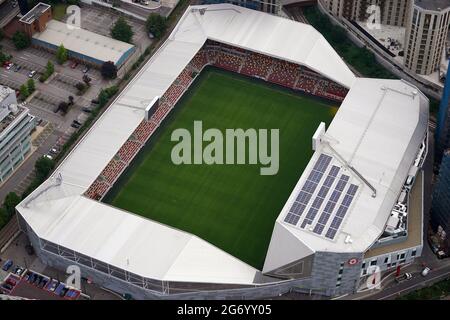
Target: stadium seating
x: 284, y: 73
x: 97, y: 190
x: 113, y: 170
x: 257, y: 65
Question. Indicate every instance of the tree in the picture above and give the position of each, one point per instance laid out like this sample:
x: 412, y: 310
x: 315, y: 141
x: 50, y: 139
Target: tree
x: 10, y: 203
x: 63, y: 106
x: 24, y: 91
x: 156, y: 24
x: 108, y: 70
x: 87, y: 80
x: 50, y: 68
x: 61, y: 54
x: 21, y: 40
x: 43, y: 167
x: 3, y: 217
x: 31, y: 86
x: 122, y: 31
x: 80, y: 86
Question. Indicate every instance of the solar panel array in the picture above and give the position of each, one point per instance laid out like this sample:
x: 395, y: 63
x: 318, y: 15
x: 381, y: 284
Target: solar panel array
x: 331, y: 204
x: 342, y: 211
x: 310, y: 185
x: 312, y: 212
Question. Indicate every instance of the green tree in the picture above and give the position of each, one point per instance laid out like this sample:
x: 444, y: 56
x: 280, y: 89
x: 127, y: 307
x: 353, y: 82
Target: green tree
x: 61, y: 54
x: 80, y: 86
x: 21, y: 40
x: 108, y: 70
x: 24, y: 91
x: 3, y: 217
x: 156, y: 24
x: 31, y: 86
x: 43, y: 167
x: 50, y: 68
x: 122, y: 31
x: 10, y: 203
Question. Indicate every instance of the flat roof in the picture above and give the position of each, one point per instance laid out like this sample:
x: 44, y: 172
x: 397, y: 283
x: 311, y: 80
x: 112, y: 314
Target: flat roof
x: 84, y: 42
x: 433, y: 4
x: 377, y: 130
x: 415, y: 223
x: 35, y: 13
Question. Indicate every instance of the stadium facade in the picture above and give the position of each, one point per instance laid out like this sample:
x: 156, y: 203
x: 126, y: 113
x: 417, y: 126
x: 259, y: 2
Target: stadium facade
x: 356, y: 209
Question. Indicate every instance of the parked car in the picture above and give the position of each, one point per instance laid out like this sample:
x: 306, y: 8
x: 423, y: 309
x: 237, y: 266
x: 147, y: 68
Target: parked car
x: 9, y: 66
x: 6, y: 63
x: 74, y: 125
x: 32, y: 73
x: 86, y: 109
x: 54, y: 150
x: 74, y: 65
x: 7, y: 265
x: 425, y: 271
x: 77, y: 122
x: 86, y: 69
x: 441, y: 254
x: 94, y: 101
x: 48, y: 156
x: 7, y: 286
x: 18, y: 270
x: 17, y: 68
x: 404, y: 277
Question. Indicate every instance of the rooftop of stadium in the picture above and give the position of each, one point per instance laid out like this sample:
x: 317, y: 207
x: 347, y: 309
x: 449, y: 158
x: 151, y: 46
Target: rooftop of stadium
x: 376, y: 127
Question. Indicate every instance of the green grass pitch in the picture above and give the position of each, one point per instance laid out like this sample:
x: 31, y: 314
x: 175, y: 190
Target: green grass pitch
x: 231, y: 206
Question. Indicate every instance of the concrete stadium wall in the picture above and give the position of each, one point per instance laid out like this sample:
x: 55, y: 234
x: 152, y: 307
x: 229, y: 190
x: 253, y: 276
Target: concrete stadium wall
x: 117, y: 285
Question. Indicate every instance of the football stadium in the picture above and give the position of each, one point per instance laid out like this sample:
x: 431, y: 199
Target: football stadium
x: 345, y: 202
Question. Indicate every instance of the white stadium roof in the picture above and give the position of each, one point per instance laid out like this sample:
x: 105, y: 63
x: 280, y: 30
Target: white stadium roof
x: 379, y: 132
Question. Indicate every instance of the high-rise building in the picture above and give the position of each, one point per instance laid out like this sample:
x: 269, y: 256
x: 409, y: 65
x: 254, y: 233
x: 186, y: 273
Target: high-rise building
x: 16, y: 125
x: 442, y: 134
x: 426, y: 23
x: 440, y: 214
x: 426, y: 35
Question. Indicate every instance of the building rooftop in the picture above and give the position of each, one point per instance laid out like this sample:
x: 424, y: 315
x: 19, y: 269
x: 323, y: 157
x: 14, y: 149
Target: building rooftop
x: 84, y: 42
x: 35, y: 13
x: 5, y: 92
x: 435, y: 5
x: 10, y: 118
x: 415, y: 222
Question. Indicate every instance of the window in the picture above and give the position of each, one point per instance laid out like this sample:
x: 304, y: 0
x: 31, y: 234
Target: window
x: 402, y: 255
x: 413, y: 253
x: 386, y: 260
x: 373, y: 262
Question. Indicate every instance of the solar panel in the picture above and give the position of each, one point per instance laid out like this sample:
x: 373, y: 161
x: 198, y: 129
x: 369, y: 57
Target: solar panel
x: 312, y: 212
x: 308, y: 189
x: 331, y: 204
x: 341, y: 212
